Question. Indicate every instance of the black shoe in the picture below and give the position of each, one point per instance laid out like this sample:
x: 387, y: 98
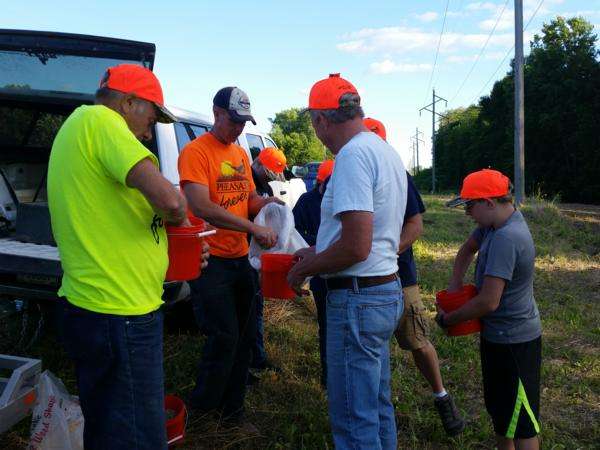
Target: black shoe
x: 252, y: 379
x: 451, y: 420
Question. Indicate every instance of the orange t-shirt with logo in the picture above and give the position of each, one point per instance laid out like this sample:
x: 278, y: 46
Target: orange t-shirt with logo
x: 226, y: 171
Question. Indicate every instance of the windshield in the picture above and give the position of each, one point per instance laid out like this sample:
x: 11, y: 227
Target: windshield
x: 26, y: 72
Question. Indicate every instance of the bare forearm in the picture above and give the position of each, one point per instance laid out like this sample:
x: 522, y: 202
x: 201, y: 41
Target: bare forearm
x: 410, y: 233
x: 474, y: 309
x: 337, y: 257
x: 255, y: 204
x: 220, y: 217
x: 463, y: 260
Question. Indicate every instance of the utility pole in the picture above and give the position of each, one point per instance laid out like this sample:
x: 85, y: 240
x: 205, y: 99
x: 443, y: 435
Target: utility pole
x: 417, y: 139
x: 519, y: 107
x: 434, y: 114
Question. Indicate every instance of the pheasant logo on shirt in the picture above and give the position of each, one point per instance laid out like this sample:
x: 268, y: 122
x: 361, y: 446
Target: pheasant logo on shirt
x: 232, y: 184
x: 229, y: 172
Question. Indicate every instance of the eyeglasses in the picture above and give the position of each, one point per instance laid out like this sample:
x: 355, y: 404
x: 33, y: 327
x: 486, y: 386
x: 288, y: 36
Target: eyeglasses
x: 470, y: 203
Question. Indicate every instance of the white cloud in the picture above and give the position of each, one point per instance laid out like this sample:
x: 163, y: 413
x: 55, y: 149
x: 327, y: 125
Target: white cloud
x: 505, y: 22
x: 482, y: 6
x: 585, y: 14
x: 429, y: 16
x: 388, y: 66
x: 403, y: 40
x: 460, y: 58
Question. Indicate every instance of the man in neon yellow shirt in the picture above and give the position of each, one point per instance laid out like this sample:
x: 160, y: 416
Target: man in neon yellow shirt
x: 108, y: 204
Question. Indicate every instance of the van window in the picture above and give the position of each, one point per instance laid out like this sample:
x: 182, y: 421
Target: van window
x: 185, y: 132
x: 183, y: 135
x: 26, y: 73
x: 269, y: 142
x: 198, y: 130
x: 255, y: 144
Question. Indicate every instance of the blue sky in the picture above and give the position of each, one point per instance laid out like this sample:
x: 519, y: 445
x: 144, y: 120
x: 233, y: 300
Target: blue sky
x: 275, y: 50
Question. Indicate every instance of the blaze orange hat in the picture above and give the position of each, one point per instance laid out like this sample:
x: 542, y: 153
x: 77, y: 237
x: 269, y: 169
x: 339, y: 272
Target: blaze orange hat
x: 375, y: 126
x: 325, y: 170
x: 326, y: 94
x: 486, y: 183
x: 137, y: 80
x: 273, y: 159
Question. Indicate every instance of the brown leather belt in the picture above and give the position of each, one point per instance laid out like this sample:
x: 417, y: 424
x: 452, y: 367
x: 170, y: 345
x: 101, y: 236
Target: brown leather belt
x: 362, y: 282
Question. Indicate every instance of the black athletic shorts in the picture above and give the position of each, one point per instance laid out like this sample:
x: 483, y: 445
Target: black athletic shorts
x: 511, y: 386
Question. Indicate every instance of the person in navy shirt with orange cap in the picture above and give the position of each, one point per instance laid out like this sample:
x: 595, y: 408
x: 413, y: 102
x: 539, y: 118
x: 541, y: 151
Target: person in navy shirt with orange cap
x: 307, y: 217
x: 412, y: 332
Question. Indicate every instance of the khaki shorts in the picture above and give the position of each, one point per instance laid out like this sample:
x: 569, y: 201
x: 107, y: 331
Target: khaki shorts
x: 412, y: 330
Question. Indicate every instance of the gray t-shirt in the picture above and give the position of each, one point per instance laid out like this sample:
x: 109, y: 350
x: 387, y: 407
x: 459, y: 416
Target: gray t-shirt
x: 368, y: 176
x: 509, y: 253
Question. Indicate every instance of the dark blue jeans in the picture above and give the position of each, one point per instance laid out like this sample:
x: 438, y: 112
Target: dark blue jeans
x: 318, y: 288
x: 119, y: 368
x: 259, y: 353
x: 223, y: 301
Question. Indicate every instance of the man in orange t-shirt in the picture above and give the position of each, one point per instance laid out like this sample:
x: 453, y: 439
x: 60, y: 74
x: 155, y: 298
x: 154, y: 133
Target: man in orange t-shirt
x: 216, y: 177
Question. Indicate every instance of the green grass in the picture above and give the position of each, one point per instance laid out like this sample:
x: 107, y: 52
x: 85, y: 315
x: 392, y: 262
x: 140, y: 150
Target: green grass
x: 290, y: 409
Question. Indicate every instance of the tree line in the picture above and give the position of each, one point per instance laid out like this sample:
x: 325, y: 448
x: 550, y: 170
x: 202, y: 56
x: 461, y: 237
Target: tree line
x: 562, y: 121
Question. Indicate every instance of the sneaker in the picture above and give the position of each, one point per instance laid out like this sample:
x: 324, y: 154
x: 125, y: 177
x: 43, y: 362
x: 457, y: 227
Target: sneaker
x: 237, y: 420
x: 451, y: 420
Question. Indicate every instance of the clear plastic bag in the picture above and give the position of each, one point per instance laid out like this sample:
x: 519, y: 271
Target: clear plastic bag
x: 57, y: 422
x: 281, y: 220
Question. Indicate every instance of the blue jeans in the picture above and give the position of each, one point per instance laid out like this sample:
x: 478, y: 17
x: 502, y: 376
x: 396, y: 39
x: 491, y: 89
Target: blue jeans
x: 319, y: 292
x: 360, y: 324
x: 119, y: 368
x: 223, y: 301
x: 259, y: 354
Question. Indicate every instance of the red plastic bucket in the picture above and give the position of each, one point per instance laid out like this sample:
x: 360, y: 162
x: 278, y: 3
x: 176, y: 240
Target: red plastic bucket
x: 274, y: 270
x: 452, y: 301
x: 185, y: 249
x: 176, y: 424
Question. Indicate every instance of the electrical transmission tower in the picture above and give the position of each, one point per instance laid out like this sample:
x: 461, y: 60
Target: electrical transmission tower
x: 434, y: 115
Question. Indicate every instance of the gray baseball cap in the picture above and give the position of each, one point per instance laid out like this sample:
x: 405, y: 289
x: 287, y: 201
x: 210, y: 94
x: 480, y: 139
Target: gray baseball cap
x: 236, y: 102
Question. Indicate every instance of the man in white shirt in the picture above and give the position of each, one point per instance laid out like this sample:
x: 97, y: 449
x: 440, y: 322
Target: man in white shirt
x: 361, y: 221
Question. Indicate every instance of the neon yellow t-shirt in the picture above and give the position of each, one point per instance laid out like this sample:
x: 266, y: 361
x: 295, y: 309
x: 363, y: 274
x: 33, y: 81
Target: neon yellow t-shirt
x: 112, y: 245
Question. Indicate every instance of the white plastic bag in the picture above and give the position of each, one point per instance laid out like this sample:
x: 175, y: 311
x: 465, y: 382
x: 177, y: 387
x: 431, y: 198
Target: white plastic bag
x: 57, y: 422
x: 281, y: 220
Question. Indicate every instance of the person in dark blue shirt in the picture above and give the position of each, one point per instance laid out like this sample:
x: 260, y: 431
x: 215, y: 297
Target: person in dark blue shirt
x: 412, y: 331
x: 307, y: 217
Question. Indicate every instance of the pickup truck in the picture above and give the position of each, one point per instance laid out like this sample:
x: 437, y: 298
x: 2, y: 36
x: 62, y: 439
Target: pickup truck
x: 44, y: 77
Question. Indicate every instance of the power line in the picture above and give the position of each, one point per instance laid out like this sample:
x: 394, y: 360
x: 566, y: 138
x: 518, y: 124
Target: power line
x: 481, y: 52
x: 450, y: 31
x: 437, y: 51
x: 507, y: 53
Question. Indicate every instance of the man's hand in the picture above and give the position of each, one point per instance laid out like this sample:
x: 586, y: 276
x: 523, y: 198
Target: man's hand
x: 265, y: 236
x: 298, y: 273
x: 205, y: 253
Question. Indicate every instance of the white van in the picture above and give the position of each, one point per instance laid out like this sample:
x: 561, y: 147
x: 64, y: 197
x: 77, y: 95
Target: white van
x: 44, y: 77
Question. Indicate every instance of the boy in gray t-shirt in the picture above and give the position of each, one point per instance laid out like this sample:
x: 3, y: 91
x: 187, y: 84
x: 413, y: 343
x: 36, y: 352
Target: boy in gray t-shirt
x: 511, y: 336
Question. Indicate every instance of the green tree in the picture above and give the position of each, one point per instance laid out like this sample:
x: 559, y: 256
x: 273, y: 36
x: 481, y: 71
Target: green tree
x: 562, y: 116
x: 294, y: 134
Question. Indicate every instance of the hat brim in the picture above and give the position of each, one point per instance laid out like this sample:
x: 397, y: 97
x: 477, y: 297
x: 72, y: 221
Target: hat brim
x: 164, y: 115
x: 456, y: 202
x: 239, y: 118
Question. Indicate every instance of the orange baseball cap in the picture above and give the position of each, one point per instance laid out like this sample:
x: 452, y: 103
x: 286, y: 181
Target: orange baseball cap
x: 273, y: 159
x: 375, y: 126
x: 137, y: 80
x: 326, y: 94
x: 486, y: 183
x: 325, y: 170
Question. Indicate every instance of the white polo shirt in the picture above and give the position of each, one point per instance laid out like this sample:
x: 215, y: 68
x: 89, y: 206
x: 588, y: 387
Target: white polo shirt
x: 369, y: 176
